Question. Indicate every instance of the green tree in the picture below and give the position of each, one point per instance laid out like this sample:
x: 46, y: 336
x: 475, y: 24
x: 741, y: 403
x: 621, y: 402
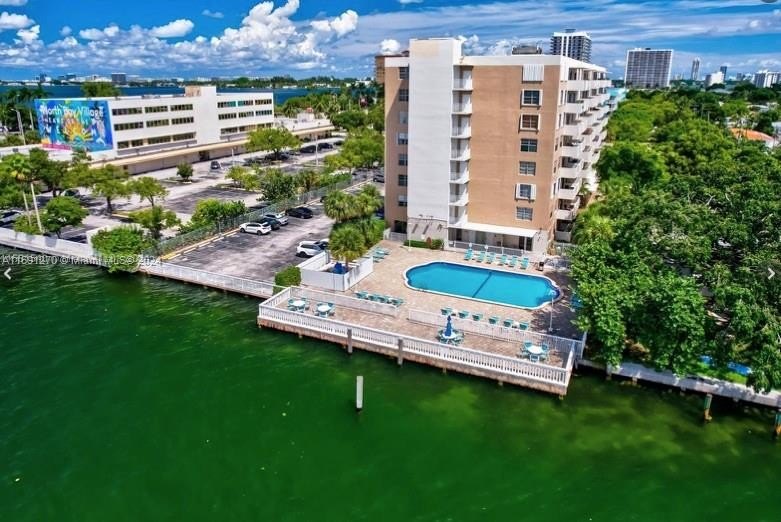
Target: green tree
x: 244, y: 178
x: 277, y: 186
x: 209, y: 212
x: 60, y: 212
x: 308, y: 180
x: 148, y: 188
x: 350, y: 120
x: 121, y: 247
x: 339, y: 206
x: 275, y: 139
x: 155, y: 220
x: 99, y: 90
x: 109, y: 182
x: 362, y: 149
x: 184, y: 171
x: 346, y: 242
x: 636, y: 163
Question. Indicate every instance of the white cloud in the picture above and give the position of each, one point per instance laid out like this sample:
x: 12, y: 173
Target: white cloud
x: 341, y: 25
x: 13, y: 3
x: 28, y: 36
x: 99, y: 34
x: 405, y: 2
x: 66, y: 30
x: 389, y: 46
x: 175, y: 29
x: 212, y: 14
x: 14, y: 21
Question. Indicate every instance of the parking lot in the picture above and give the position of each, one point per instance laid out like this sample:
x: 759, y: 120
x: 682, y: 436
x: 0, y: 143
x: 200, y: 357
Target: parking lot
x: 258, y: 257
x: 186, y: 204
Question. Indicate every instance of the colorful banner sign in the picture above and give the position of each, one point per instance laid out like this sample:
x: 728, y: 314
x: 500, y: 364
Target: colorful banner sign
x: 74, y: 124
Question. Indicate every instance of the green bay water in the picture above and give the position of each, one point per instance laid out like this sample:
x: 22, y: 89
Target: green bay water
x: 125, y: 398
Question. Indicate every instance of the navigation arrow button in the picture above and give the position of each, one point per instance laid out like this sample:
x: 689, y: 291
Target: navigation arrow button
x: 7, y: 273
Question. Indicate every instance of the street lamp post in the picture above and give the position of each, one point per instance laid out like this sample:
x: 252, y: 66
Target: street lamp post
x: 21, y: 128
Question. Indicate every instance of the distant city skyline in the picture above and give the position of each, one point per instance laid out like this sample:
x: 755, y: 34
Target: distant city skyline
x: 305, y: 38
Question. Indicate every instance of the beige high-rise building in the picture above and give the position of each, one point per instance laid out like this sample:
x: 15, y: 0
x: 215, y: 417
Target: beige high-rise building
x: 490, y: 149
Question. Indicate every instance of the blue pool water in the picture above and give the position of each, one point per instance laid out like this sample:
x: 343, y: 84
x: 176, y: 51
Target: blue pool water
x: 496, y: 286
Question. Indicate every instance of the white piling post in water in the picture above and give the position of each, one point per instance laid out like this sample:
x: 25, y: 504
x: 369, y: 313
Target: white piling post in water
x: 359, y: 393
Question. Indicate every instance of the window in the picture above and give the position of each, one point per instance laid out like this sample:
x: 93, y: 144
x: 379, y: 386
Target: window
x: 222, y: 105
x: 125, y: 111
x: 528, y: 145
x: 402, y: 118
x: 524, y: 213
x: 403, y: 95
x: 402, y: 200
x: 530, y: 122
x: 527, y: 168
x: 531, y: 98
x: 402, y: 160
x: 158, y: 139
x: 183, y: 137
x: 264, y: 101
x: 226, y: 116
x: 158, y: 108
x: 187, y: 107
x: 136, y: 143
x: 229, y: 130
x: 525, y: 191
x: 128, y: 126
x: 402, y: 180
x: 245, y: 103
x: 266, y: 112
x: 123, y: 145
x: 403, y: 73
x: 401, y: 138
x: 157, y: 123
x: 247, y: 114
x: 182, y: 121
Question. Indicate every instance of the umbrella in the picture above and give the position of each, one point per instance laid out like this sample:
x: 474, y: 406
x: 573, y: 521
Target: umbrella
x: 448, y: 328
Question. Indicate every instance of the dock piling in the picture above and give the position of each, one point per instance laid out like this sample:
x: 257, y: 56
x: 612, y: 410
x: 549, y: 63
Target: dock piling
x: 706, y: 416
x: 400, y: 359
x: 350, y: 341
x: 359, y: 393
x: 777, y: 429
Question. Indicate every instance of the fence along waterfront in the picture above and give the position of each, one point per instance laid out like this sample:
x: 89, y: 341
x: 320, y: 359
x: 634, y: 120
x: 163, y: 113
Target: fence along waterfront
x: 557, y: 378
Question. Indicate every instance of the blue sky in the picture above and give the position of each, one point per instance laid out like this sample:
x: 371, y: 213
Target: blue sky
x: 162, y: 38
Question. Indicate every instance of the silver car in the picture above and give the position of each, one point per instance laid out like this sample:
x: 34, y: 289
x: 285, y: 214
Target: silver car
x: 279, y: 216
x: 9, y: 216
x: 255, y: 228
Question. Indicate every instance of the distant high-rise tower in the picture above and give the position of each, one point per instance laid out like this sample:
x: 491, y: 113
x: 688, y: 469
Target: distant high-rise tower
x: 648, y: 68
x: 572, y: 43
x: 723, y: 70
x: 695, y: 70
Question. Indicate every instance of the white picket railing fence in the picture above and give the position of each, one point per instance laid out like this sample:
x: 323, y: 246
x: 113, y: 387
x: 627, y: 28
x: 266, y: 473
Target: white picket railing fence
x: 508, y: 366
x: 221, y: 281
x: 496, y: 331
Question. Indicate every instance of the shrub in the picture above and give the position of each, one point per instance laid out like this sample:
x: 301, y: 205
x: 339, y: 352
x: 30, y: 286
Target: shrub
x: 288, y: 276
x: 433, y: 244
x: 120, y: 248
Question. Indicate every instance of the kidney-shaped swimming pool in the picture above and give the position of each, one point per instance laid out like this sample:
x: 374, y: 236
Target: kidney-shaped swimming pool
x: 484, y: 284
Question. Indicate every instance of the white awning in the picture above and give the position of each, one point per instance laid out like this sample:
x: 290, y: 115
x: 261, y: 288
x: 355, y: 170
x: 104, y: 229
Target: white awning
x: 497, y: 229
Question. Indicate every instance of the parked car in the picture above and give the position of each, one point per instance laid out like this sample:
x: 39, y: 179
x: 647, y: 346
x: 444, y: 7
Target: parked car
x: 301, y: 212
x: 308, y: 249
x: 9, y: 216
x: 74, y: 193
x: 307, y: 149
x: 378, y: 177
x: 255, y: 228
x: 279, y: 216
x: 215, y: 165
x: 325, y: 146
x: 380, y: 213
x: 323, y: 243
x: 273, y: 223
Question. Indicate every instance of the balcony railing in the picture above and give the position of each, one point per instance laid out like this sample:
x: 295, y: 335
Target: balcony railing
x: 462, y: 108
x: 460, y: 155
x: 462, y: 84
x: 461, y: 132
x: 570, y: 192
x: 459, y: 177
x: 459, y: 200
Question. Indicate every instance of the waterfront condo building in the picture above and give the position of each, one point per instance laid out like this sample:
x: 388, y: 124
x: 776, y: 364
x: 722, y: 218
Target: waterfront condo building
x: 648, y: 68
x: 490, y: 149
x: 573, y: 44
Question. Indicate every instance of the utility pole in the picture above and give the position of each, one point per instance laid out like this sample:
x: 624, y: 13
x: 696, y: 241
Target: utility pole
x: 21, y: 127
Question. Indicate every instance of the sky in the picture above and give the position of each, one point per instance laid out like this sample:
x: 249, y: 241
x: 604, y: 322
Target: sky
x: 191, y: 38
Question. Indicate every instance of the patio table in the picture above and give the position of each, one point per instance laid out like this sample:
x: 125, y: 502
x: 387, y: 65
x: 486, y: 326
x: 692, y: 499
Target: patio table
x: 298, y: 304
x: 323, y: 309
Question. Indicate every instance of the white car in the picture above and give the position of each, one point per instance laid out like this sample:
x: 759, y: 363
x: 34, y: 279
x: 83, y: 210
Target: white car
x: 9, y: 216
x: 255, y: 228
x: 308, y: 249
x: 279, y: 216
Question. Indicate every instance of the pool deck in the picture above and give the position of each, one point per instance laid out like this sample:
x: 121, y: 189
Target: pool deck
x: 388, y: 279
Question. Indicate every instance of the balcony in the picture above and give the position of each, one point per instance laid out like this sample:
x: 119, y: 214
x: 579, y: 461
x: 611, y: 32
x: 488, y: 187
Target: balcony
x: 461, y: 133
x: 462, y: 84
x: 574, y: 107
x: 567, y: 210
x: 457, y: 219
x: 565, y: 234
x: 574, y: 129
x: 461, y: 155
x: 573, y: 151
x: 459, y: 177
x: 570, y: 192
x: 462, y: 108
x: 459, y: 200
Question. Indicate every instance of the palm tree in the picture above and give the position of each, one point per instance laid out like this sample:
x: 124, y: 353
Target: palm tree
x: 368, y: 201
x: 339, y: 206
x: 591, y: 226
x: 346, y: 242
